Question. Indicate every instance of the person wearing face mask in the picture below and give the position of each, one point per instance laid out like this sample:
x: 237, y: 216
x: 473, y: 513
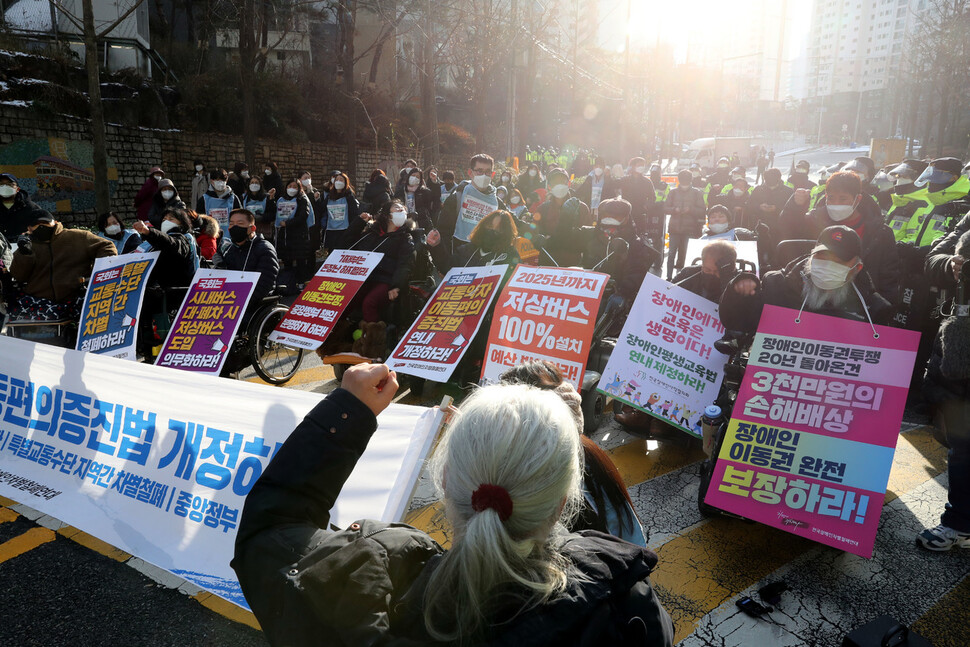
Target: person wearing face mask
x: 112, y: 227
x: 660, y: 187
x: 737, y: 173
x: 342, y: 209
x: 272, y: 179
x: 548, y: 215
x: 528, y: 182
x: 506, y: 178
x: 420, y: 202
x: 434, y: 183
x: 597, y: 186
x: 250, y: 252
x: 718, y: 267
x: 167, y: 197
x: 768, y: 199
x: 317, y: 222
x: 613, y: 246
x: 685, y: 204
x: 219, y: 200
x: 402, y: 178
x: 17, y: 210
x: 206, y: 231
x: 239, y: 178
x: 721, y: 176
x: 293, y: 212
x: 517, y: 206
x: 737, y: 199
x: 831, y: 280
x: 492, y: 243
x: 262, y: 204
x: 200, y: 181
x: 720, y: 226
x: 389, y: 232
x: 471, y: 201
x: 798, y: 178
x: 50, y: 266
x: 447, y: 185
x: 905, y: 196
x: 145, y: 195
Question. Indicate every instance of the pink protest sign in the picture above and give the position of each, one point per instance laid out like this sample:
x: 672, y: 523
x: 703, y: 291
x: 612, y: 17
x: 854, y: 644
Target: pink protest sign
x: 814, y: 428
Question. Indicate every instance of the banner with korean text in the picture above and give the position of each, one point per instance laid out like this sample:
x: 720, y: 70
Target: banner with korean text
x: 327, y: 295
x: 158, y: 462
x: 112, y: 305
x: 664, y: 362
x: 814, y: 429
x: 439, y: 337
x: 544, y: 313
x: 207, y: 322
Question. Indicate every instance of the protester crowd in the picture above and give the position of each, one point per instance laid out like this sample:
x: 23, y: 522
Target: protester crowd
x: 880, y: 246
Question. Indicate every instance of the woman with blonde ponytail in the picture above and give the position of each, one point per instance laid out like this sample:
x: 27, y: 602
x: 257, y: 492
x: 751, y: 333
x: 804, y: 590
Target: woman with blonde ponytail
x: 509, y: 471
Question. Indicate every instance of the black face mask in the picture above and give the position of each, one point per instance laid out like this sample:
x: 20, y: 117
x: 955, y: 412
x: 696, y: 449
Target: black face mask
x: 239, y: 234
x: 42, y: 234
x: 489, y: 240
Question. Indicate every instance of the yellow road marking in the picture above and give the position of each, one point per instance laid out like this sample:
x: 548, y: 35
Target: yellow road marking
x: 4, y: 501
x: 637, y: 465
x: 6, y: 514
x: 25, y: 542
x: 227, y: 609
x: 431, y: 519
x: 710, y: 564
x: 306, y: 376
x: 95, y: 544
x: 945, y: 623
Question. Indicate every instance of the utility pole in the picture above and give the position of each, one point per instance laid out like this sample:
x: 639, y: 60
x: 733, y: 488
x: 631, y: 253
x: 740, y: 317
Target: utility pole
x: 627, y: 104
x: 514, y: 25
x: 98, y: 137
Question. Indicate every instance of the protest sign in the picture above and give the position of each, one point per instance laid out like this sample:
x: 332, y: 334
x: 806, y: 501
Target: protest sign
x: 207, y: 321
x: 325, y: 298
x: 544, y: 313
x: 158, y: 463
x: 112, y: 305
x: 664, y: 362
x: 747, y: 250
x: 814, y: 428
x: 439, y: 337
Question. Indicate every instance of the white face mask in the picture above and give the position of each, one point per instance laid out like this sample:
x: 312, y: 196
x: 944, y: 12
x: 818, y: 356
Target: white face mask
x: 482, y: 181
x: 292, y: 191
x: 598, y: 172
x: 515, y: 200
x: 718, y: 228
x: 339, y: 185
x: 158, y: 177
x: 533, y: 172
x: 828, y: 275
x: 254, y: 187
x: 267, y: 171
x: 840, y: 212
x: 414, y: 180
x: 399, y: 218
x: 219, y: 185
x: 167, y: 195
x: 408, y: 169
x: 244, y: 175
x: 112, y: 230
x: 167, y: 226
x: 560, y: 191
x: 198, y: 168
x: 506, y: 179
x: 640, y: 170
x: 738, y: 192
x: 7, y: 191
x: 305, y: 182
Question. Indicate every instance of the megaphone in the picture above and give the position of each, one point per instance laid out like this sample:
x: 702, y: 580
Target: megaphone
x: 218, y: 346
x: 128, y: 321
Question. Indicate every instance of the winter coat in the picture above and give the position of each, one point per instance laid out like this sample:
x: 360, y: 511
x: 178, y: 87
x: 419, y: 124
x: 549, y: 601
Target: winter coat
x: 143, y: 199
x: 784, y: 288
x: 376, y: 193
x: 177, y: 258
x: 470, y: 255
x: 365, y: 585
x: 293, y: 240
x: 200, y: 205
x: 395, y: 267
x: 200, y: 184
x: 274, y: 181
x: 426, y: 206
x: 21, y: 214
x: 703, y: 285
x: 763, y: 194
x: 206, y: 232
x: 337, y: 238
x: 879, y: 253
x: 692, y: 212
x: 159, y: 205
x: 563, y: 232
x: 629, y: 269
x: 255, y: 255
x: 936, y: 387
x: 55, y: 269
x: 639, y: 191
x: 585, y: 190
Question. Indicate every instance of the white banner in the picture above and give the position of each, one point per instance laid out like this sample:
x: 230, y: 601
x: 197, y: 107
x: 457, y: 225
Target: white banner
x: 664, y: 362
x: 158, y: 462
x: 747, y: 250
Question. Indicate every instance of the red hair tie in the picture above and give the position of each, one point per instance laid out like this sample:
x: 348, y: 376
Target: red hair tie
x: 495, y: 497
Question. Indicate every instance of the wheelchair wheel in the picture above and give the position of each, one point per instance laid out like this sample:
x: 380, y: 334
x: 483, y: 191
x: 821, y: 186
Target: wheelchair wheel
x: 273, y: 362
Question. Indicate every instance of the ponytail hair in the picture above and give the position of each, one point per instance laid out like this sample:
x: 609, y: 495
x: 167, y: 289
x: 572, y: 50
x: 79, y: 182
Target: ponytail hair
x: 522, y: 440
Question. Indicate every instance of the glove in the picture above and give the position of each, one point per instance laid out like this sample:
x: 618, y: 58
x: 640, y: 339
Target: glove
x: 24, y: 244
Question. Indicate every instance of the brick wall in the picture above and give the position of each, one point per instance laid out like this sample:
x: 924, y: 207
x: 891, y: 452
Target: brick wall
x: 134, y: 150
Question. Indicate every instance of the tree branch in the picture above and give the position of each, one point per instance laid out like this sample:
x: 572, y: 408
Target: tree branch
x: 120, y: 19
